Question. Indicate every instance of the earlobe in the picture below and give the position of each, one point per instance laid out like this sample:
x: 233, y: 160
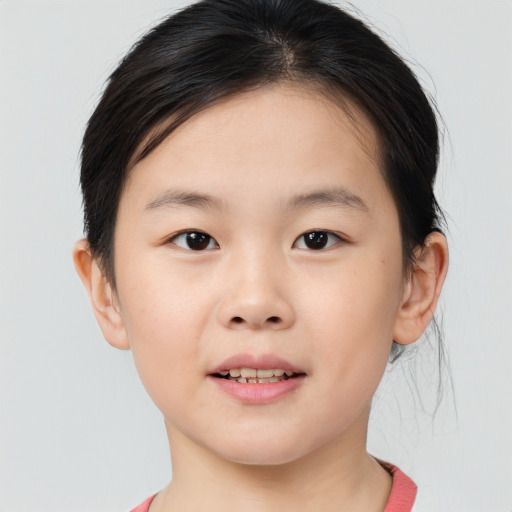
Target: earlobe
x: 103, y: 298
x: 422, y: 290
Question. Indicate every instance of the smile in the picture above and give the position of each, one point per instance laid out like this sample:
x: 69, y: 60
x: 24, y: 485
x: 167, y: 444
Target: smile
x: 256, y: 375
x: 257, y: 379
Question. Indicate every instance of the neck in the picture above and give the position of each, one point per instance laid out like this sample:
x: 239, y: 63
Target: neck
x: 338, y: 476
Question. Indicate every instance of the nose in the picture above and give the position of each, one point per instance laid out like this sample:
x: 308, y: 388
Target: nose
x: 254, y: 296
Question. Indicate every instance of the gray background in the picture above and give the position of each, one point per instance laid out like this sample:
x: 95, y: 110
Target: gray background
x: 77, y: 431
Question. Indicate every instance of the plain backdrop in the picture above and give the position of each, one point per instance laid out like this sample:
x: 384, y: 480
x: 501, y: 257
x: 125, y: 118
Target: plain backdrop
x: 77, y: 431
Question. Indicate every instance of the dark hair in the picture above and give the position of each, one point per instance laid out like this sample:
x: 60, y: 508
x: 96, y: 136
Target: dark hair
x: 215, y: 49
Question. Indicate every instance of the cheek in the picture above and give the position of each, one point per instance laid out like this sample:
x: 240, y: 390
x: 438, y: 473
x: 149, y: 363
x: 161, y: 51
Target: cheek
x: 358, y: 300
x: 351, y: 318
x: 160, y: 300
x: 164, y: 316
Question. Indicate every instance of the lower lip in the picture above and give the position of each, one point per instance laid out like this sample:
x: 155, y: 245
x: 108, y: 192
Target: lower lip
x: 258, y: 393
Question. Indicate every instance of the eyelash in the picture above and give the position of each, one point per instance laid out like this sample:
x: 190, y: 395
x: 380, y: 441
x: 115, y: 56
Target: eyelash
x: 200, y: 236
x: 321, y: 233
x: 204, y: 240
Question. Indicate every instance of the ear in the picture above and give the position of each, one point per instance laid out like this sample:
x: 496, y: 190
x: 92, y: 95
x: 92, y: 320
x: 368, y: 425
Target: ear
x: 422, y: 289
x: 103, y: 298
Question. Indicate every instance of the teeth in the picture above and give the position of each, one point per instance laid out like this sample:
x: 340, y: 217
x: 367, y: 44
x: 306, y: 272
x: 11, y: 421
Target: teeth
x: 248, y: 372
x: 265, y: 374
x: 256, y: 375
x: 251, y: 373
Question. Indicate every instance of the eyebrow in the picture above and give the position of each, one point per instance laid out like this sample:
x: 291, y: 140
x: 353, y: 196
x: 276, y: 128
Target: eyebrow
x: 336, y: 197
x: 184, y: 198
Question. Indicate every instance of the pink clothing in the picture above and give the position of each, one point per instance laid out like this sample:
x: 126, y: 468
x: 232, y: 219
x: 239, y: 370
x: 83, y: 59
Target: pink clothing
x: 143, y: 507
x: 403, y: 491
x: 401, y: 499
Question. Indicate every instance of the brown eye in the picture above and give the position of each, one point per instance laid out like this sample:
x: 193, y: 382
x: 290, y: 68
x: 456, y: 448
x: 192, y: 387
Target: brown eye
x: 317, y: 240
x: 195, y: 241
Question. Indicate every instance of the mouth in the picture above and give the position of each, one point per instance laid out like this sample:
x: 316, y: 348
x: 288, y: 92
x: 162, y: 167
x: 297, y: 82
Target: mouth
x: 257, y: 375
x: 257, y: 379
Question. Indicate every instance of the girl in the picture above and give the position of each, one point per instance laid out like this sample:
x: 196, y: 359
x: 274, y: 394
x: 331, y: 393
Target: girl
x: 262, y: 233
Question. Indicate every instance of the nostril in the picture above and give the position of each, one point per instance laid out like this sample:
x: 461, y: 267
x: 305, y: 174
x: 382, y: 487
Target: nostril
x: 274, y: 319
x: 238, y: 319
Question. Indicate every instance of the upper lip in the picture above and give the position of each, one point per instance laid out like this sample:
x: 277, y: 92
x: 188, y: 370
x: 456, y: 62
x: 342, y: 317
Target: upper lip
x: 262, y: 362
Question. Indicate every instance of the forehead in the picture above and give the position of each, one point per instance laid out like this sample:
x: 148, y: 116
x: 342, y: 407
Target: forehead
x: 269, y: 140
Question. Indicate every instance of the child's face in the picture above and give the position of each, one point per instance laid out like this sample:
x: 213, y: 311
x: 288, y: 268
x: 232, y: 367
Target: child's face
x: 255, y: 174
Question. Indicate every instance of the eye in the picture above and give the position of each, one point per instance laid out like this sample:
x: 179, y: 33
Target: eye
x: 317, y: 240
x: 194, y: 240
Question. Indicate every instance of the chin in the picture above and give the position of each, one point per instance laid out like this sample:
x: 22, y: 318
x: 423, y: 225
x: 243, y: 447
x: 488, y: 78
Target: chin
x: 263, y: 459
x: 263, y: 453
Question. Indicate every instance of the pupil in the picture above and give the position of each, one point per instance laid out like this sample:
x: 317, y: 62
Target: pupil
x: 197, y: 241
x: 316, y: 239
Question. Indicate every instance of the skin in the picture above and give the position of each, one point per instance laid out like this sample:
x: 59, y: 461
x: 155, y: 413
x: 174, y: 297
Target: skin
x: 258, y: 289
